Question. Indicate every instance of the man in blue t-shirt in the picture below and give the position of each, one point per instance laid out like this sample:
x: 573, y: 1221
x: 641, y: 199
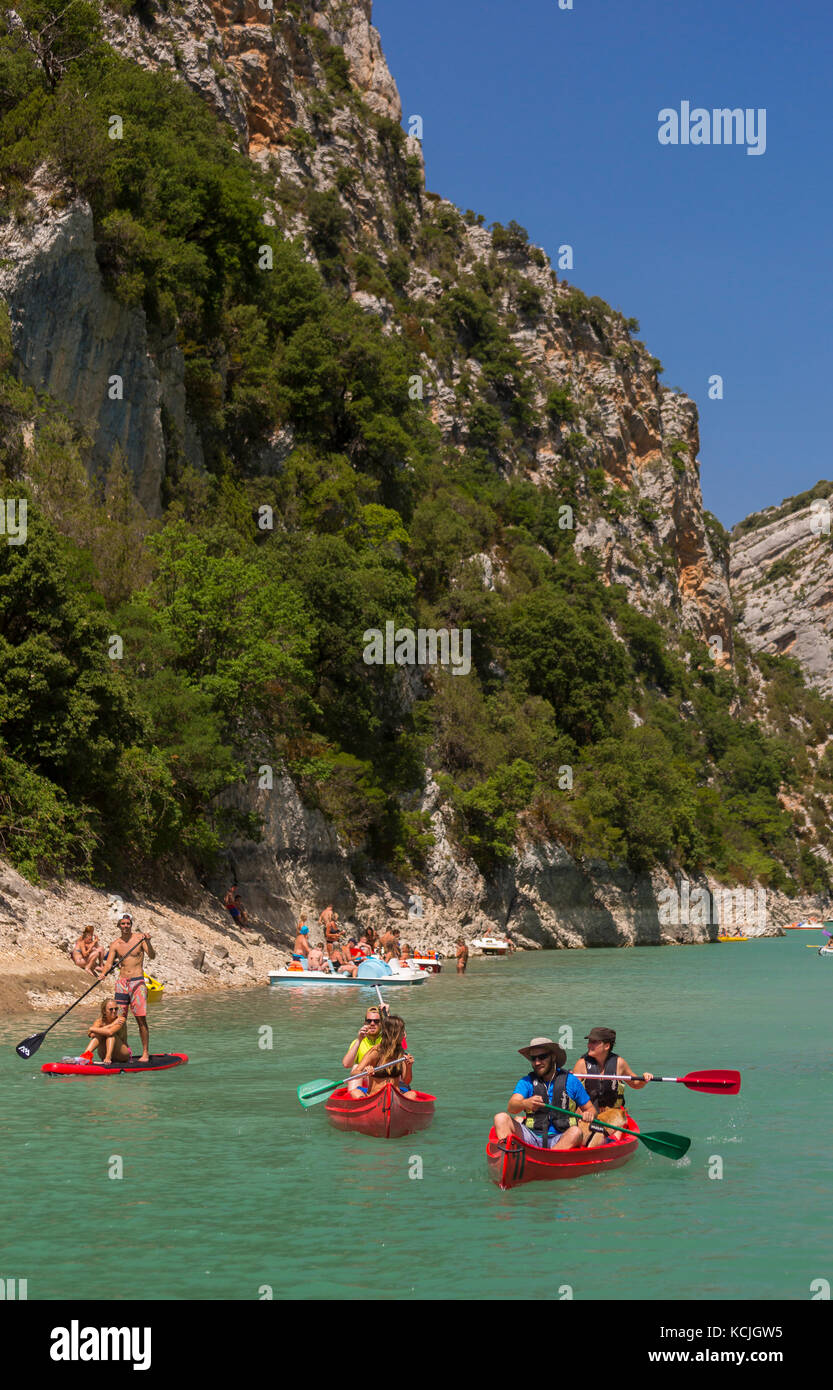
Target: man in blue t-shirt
x: 546, y: 1084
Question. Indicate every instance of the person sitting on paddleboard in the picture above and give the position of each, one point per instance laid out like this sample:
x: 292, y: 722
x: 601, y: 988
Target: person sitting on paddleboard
x: 87, y: 952
x: 109, y: 1034
x: 546, y: 1084
x: 131, y: 991
x: 601, y: 1060
x: 390, y: 1048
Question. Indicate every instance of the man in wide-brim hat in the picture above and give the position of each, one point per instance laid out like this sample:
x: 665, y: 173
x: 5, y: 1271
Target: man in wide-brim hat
x: 547, y: 1084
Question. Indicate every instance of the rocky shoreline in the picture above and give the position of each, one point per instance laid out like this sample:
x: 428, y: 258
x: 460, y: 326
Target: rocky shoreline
x: 199, y: 950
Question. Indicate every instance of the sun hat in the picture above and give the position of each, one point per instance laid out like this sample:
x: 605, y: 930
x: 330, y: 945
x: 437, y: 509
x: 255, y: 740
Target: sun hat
x: 607, y: 1035
x: 557, y: 1051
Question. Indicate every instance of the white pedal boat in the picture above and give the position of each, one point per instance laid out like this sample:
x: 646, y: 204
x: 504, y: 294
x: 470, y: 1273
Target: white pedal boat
x: 371, y: 972
x: 490, y: 945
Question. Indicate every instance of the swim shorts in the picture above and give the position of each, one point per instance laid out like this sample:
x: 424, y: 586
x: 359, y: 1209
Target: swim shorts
x: 132, y: 994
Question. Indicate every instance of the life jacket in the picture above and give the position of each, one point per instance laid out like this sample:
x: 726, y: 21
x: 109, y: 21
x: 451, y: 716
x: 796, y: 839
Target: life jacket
x: 603, y: 1094
x: 552, y: 1093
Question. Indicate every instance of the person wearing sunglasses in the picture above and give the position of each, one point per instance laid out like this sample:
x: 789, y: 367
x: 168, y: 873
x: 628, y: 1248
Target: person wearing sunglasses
x: 547, y: 1084
x: 369, y: 1036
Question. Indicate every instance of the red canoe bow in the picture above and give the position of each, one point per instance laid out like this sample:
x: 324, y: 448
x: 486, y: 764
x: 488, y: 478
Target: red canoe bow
x: 386, y: 1115
x: 511, y: 1162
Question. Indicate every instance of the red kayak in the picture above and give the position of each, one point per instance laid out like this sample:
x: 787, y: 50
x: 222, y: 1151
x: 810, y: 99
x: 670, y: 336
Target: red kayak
x: 386, y: 1115
x: 511, y: 1162
x: 160, y: 1061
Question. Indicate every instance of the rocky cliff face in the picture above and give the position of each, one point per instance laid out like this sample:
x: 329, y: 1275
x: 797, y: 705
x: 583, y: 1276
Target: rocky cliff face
x: 305, y: 86
x: 75, y: 342
x: 782, y: 582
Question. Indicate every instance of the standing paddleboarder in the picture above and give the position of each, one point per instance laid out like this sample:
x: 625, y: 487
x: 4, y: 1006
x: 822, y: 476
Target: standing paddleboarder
x: 131, y: 991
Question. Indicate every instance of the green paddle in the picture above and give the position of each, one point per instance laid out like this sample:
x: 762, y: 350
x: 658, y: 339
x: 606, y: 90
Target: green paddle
x: 313, y: 1092
x: 669, y: 1145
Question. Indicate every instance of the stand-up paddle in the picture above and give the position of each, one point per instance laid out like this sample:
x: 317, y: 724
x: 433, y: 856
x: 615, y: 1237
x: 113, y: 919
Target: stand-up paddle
x: 314, y: 1091
x: 29, y: 1046
x: 660, y: 1142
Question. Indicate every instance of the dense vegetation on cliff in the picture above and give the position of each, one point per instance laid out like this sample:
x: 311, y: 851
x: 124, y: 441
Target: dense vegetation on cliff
x: 239, y: 616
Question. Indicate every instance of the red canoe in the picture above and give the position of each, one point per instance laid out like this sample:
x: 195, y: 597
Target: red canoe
x: 386, y: 1115
x: 160, y: 1061
x: 512, y: 1162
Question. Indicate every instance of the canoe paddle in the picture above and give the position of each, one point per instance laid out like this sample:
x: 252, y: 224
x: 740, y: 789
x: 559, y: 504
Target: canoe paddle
x: 314, y: 1091
x: 29, y: 1046
x: 660, y: 1142
x: 714, y: 1083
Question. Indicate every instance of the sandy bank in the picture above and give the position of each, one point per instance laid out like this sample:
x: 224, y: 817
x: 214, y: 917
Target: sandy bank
x: 198, y: 947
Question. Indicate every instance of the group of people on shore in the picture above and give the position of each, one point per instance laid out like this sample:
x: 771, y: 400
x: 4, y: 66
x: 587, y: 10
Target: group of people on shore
x: 592, y: 1089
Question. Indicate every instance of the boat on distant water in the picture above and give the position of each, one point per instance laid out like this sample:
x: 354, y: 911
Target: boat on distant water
x: 430, y: 962
x: 491, y: 945
x: 733, y: 938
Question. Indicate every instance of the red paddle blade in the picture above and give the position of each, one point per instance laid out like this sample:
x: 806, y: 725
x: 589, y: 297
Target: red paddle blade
x: 715, y: 1083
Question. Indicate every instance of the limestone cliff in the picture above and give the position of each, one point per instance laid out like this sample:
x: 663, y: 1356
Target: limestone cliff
x: 782, y: 582
x: 305, y: 86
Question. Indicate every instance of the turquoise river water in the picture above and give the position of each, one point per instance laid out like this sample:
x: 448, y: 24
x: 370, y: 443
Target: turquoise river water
x: 230, y: 1189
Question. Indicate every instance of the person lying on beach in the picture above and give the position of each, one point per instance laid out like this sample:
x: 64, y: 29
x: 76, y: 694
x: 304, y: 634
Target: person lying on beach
x: 87, y: 952
x: 390, y: 1049
x: 601, y: 1061
x: 547, y: 1084
x: 109, y: 1035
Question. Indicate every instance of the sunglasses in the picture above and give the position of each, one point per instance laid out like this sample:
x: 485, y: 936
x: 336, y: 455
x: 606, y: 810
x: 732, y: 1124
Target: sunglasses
x: 372, y: 1020
x: 539, y: 1056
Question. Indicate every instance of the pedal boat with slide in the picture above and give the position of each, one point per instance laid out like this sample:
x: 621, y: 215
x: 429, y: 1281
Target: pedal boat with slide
x: 386, y: 1115
x: 512, y: 1162
x: 371, y: 971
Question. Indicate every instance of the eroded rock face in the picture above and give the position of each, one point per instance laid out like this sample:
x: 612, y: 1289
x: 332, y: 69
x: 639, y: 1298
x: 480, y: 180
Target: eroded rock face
x: 71, y: 338
x: 788, y: 610
x: 545, y: 898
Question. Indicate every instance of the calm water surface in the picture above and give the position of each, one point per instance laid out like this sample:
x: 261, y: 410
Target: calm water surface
x: 230, y: 1186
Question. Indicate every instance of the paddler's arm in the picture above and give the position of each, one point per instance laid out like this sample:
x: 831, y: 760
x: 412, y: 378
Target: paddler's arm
x: 577, y: 1094
x: 350, y: 1055
x: 149, y: 948
x: 518, y: 1103
x: 109, y: 958
x: 631, y: 1078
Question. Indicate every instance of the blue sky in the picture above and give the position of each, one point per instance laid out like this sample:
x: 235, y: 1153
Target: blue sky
x: 549, y: 116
